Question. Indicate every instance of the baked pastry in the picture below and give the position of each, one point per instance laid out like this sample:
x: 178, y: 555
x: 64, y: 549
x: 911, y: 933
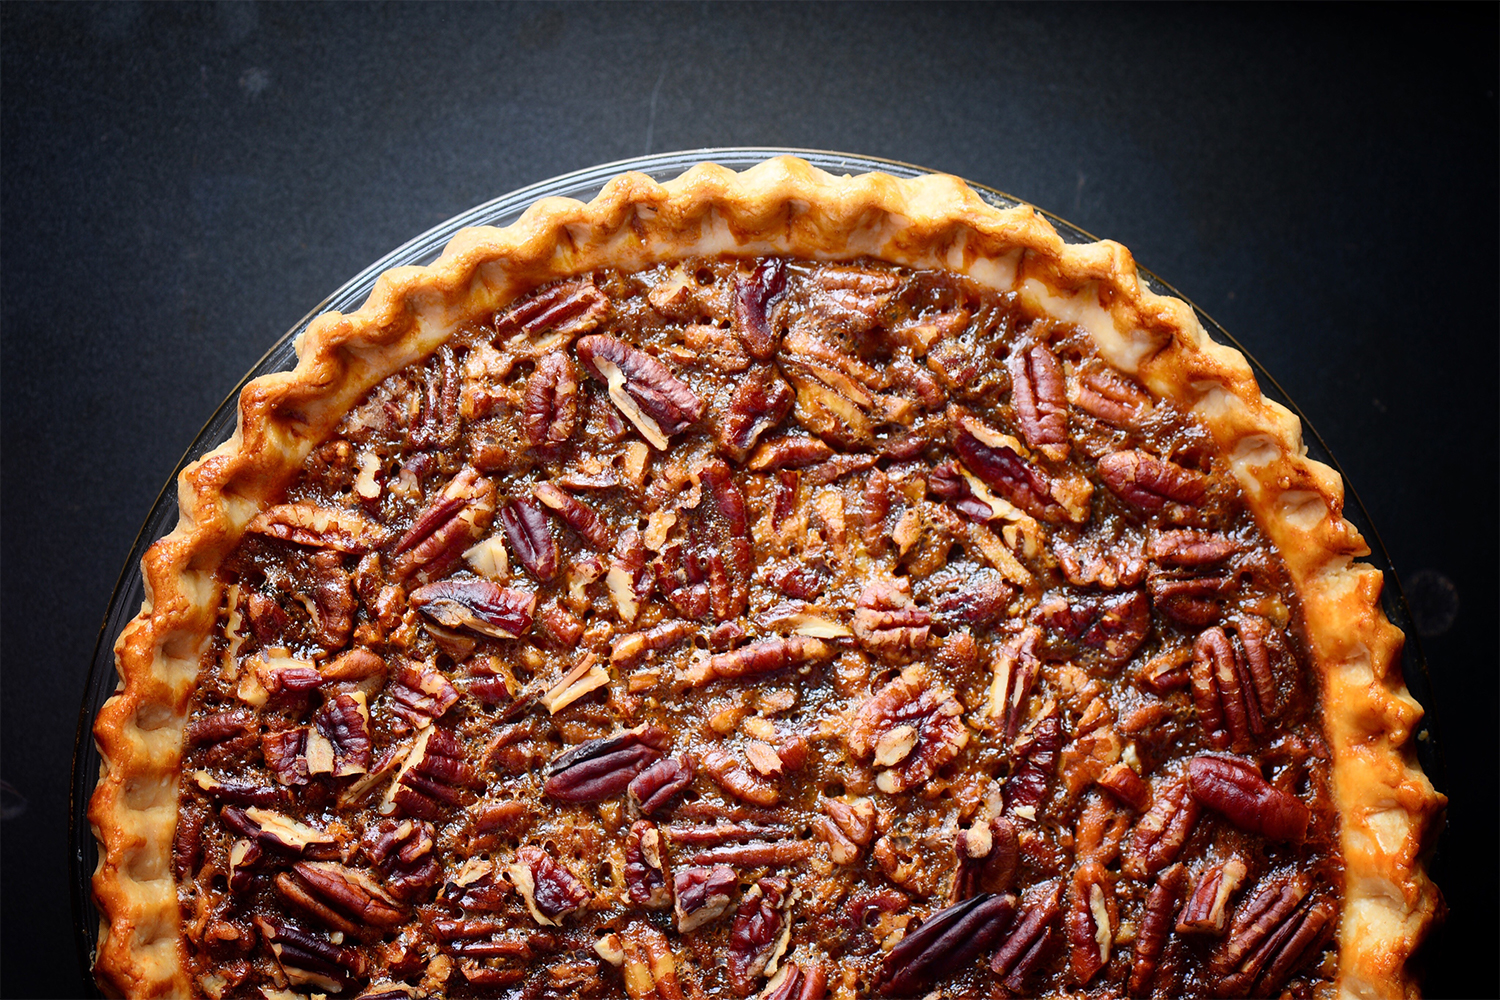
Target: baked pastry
x: 761, y: 584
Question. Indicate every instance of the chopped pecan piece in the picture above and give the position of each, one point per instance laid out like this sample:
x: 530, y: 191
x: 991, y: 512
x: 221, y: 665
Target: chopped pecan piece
x: 655, y: 786
x: 764, y: 657
x: 477, y: 605
x: 649, y: 965
x: 1155, y: 928
x: 830, y: 404
x: 1036, y: 756
x: 275, y: 830
x: 550, y: 407
x: 888, y: 624
x: 341, y: 898
x: 454, y: 520
x: 1162, y: 831
x: 1207, y: 908
x: 1027, y: 938
x: 333, y: 597
x: 1121, y: 780
x: 911, y: 727
x: 761, y: 400
x: 285, y: 753
x: 319, y: 527
x: 575, y: 514
x: 754, y: 297
x: 530, y: 539
x: 603, y: 768
x: 657, y: 402
x: 982, y: 602
x: 1193, y: 599
x: 702, y: 895
x: 947, y: 942
x: 760, y: 933
x: 551, y: 891
x: 564, y: 310
x: 630, y: 649
x: 848, y: 824
x: 1041, y: 400
x: 1234, y: 787
x: 644, y: 874
x: 403, y: 852
x: 1150, y: 483
x: 790, y: 452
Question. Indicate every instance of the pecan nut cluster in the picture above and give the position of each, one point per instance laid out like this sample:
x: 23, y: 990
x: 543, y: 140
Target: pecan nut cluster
x: 758, y: 627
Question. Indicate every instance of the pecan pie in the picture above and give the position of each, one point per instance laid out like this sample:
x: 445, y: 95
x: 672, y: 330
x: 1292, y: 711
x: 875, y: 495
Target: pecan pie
x: 764, y: 584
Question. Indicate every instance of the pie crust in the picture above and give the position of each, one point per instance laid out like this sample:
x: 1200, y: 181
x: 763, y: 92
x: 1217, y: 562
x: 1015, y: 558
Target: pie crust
x: 1385, y: 803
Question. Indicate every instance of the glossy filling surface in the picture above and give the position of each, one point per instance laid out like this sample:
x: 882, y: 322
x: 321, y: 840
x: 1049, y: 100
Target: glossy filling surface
x: 740, y: 627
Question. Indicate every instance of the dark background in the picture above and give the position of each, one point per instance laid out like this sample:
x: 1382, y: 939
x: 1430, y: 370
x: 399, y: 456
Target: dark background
x: 178, y: 185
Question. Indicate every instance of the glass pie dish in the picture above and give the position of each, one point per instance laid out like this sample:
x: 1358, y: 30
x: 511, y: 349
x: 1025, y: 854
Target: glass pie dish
x: 582, y: 185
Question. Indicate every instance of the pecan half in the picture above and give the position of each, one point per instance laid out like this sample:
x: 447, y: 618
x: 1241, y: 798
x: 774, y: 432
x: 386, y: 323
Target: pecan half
x: 308, y: 959
x: 1191, y: 598
x: 657, y: 784
x: 797, y: 981
x: 1263, y: 657
x: 420, y: 693
x: 567, y: 308
x: 1150, y: 483
x: 1207, y: 908
x: 981, y: 602
x: 946, y: 943
x: 1041, y: 400
x: 760, y: 401
x: 848, y: 824
x: 319, y: 527
x: 733, y: 777
x: 657, y: 402
x: 987, y: 853
x: 275, y: 830
x: 1274, y: 932
x: 433, y: 777
x: 551, y: 891
x: 344, y: 721
x: 1162, y: 831
x: 1027, y: 938
x: 760, y: 933
x: 645, y: 878
x: 530, y: 538
x: 477, y: 605
x: 1014, y: 672
x: 887, y: 623
x: 702, y: 895
x: 403, y: 852
x: 575, y: 514
x: 1228, y: 705
x: 1185, y: 548
x: 1113, y: 624
x: 454, y: 520
x: 341, y: 898
x: 754, y: 296
x: 1155, y: 928
x: 1092, y: 918
x: 603, y: 768
x: 549, y: 412
x: 333, y: 597
x: 763, y: 657
x: 996, y: 459
x: 1036, y: 755
x: 1234, y: 787
x: 1111, y: 397
x: 911, y: 727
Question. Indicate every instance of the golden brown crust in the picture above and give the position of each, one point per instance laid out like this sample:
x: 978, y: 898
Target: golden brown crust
x: 782, y: 206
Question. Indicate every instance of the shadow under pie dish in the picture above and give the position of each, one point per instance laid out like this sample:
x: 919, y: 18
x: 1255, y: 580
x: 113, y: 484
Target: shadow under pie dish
x: 763, y: 583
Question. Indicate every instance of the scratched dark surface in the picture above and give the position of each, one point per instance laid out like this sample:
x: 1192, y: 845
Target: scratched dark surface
x: 181, y: 184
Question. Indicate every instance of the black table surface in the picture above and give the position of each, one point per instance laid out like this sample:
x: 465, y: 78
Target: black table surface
x: 179, y: 184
